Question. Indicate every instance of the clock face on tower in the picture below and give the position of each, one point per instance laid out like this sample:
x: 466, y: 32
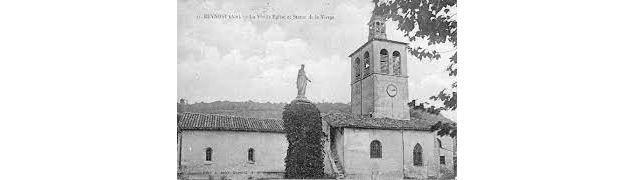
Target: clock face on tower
x: 391, y: 89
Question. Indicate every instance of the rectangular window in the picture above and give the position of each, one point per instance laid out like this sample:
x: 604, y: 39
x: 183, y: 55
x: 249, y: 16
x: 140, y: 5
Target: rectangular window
x: 208, y: 154
x: 442, y: 159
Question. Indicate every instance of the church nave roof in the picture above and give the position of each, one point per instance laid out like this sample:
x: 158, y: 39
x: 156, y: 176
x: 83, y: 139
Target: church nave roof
x: 348, y: 121
x: 200, y: 121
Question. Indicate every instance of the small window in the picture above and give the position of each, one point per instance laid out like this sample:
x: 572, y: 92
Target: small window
x: 442, y: 159
x: 375, y: 149
x: 250, y: 155
x: 417, y: 155
x: 357, y: 68
x: 366, y: 63
x: 208, y: 154
x: 383, y: 61
x: 396, y: 63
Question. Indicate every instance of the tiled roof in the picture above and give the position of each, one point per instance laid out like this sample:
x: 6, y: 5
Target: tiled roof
x: 199, y: 121
x: 346, y: 120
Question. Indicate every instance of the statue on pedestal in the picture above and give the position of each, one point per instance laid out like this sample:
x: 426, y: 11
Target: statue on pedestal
x: 301, y: 84
x: 303, y: 130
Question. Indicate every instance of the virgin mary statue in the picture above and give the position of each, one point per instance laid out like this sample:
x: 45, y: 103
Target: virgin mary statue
x: 301, y: 83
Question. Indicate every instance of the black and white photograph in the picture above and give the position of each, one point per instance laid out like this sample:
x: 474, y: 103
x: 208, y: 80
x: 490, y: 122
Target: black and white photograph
x: 317, y: 89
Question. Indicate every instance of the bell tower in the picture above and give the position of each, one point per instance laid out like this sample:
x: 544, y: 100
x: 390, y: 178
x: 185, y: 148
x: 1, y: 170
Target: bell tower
x: 379, y: 77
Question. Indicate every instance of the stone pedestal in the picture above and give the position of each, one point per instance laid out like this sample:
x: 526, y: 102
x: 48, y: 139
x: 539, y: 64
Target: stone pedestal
x: 301, y: 99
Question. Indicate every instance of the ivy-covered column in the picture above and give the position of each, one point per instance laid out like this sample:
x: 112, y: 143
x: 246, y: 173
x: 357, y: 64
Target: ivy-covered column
x: 303, y: 126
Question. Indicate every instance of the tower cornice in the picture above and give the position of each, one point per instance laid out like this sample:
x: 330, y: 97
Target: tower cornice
x: 375, y: 73
x: 385, y: 40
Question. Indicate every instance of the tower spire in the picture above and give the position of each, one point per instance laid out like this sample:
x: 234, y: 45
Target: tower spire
x: 377, y: 27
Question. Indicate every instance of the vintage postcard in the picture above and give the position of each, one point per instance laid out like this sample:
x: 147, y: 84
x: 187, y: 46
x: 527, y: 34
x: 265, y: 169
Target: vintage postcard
x: 320, y: 89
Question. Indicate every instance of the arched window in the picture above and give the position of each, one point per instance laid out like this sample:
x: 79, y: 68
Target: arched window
x: 439, y: 142
x: 250, y: 155
x: 357, y: 68
x: 375, y: 149
x: 208, y: 154
x: 366, y: 63
x: 396, y: 63
x: 383, y: 61
x: 417, y: 155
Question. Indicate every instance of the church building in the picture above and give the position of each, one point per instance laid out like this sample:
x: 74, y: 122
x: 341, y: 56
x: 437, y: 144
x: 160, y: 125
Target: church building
x: 377, y: 140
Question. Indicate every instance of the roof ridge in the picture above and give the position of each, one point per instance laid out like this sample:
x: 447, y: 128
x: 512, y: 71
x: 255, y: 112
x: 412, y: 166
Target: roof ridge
x: 230, y: 116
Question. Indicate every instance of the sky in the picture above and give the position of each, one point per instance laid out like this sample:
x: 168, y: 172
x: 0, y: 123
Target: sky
x: 233, y: 59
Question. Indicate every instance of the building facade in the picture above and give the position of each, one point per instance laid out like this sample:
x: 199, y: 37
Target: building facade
x: 221, y: 146
x: 380, y: 119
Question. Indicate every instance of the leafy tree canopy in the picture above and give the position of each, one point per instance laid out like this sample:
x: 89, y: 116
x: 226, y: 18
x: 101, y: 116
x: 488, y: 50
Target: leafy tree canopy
x: 443, y: 128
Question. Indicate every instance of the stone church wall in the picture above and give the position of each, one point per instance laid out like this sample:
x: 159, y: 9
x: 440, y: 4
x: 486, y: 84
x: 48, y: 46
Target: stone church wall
x: 448, y: 150
x: 230, y: 148
x: 367, y: 95
x: 361, y: 87
x: 430, y: 166
x: 397, y: 154
x: 339, y: 144
x: 357, y: 161
x: 356, y: 99
x: 229, y: 158
x: 328, y: 166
